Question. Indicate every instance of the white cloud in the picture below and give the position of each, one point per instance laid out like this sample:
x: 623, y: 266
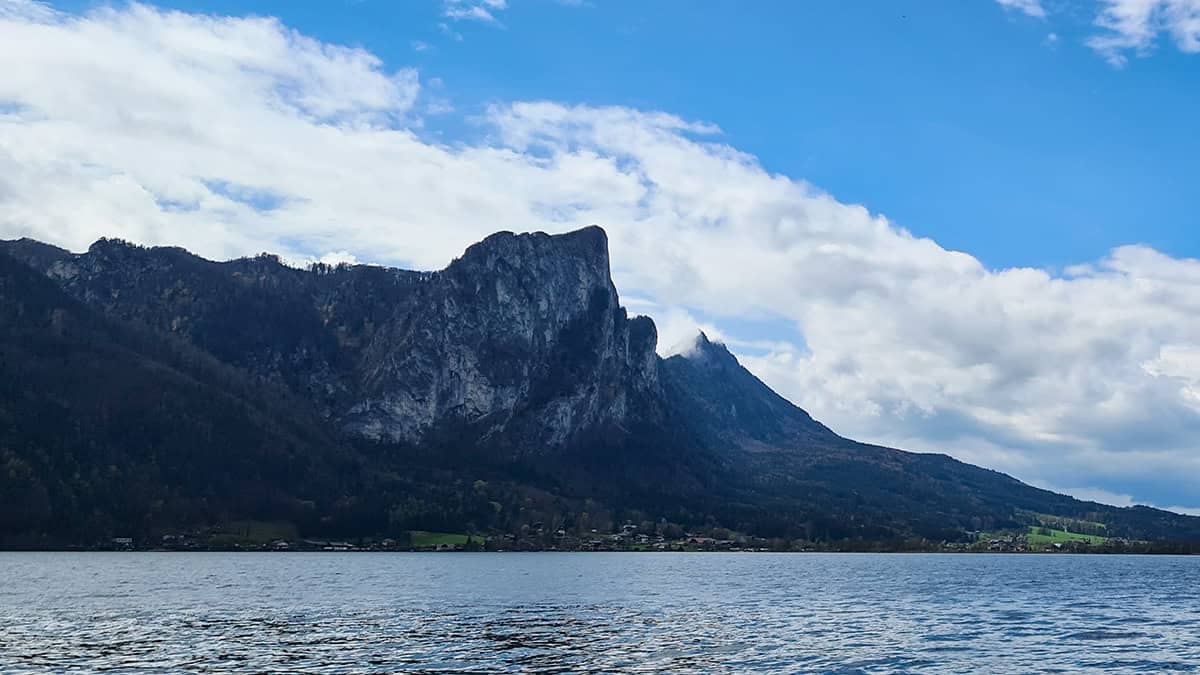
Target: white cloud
x: 1131, y: 25
x: 1030, y: 7
x: 1182, y: 363
x: 678, y: 329
x: 28, y: 10
x: 232, y: 136
x: 1135, y: 26
x: 483, y: 11
x: 339, y: 258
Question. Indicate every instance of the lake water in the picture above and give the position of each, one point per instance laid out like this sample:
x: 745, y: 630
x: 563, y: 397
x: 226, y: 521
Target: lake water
x: 596, y: 612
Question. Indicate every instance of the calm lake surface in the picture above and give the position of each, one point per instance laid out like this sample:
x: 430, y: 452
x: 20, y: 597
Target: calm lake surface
x: 596, y: 612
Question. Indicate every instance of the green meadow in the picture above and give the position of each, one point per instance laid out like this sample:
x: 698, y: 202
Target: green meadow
x: 1041, y: 536
x: 421, y: 539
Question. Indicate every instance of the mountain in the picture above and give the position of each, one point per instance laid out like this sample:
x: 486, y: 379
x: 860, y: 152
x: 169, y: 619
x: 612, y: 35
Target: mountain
x: 508, y: 390
x: 520, y: 343
x: 104, y: 425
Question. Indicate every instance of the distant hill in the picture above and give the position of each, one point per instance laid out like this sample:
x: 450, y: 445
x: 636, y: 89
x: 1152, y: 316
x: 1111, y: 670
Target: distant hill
x: 148, y: 391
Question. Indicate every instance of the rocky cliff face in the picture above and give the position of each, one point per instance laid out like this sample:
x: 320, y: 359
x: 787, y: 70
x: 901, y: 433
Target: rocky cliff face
x: 522, y: 341
x: 521, y: 344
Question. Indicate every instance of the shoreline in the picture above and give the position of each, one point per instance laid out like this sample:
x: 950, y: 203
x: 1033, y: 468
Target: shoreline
x: 606, y: 551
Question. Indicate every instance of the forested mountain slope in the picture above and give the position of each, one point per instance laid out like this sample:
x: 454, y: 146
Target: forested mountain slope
x: 148, y: 389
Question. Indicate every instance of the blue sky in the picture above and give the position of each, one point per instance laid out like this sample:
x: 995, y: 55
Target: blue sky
x: 923, y: 111
x: 960, y: 226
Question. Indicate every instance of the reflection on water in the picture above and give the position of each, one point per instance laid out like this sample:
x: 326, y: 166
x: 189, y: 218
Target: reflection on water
x: 572, y: 612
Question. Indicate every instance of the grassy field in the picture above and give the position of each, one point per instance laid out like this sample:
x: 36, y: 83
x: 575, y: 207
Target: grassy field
x: 1036, y: 538
x: 433, y: 539
x: 1038, y: 541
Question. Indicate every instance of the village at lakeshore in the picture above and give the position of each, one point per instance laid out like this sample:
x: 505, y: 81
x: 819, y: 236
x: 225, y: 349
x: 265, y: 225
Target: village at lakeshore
x: 281, y: 538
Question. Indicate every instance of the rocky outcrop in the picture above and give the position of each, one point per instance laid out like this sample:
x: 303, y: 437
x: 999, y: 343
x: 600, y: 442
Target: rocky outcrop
x: 521, y: 344
x: 522, y: 341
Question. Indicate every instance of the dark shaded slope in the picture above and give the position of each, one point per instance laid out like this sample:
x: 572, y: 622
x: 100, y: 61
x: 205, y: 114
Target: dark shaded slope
x: 255, y: 313
x: 727, y: 406
x: 34, y: 253
x: 108, y: 430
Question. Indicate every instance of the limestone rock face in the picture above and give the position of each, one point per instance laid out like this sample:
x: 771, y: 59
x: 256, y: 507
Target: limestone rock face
x: 522, y: 341
x: 519, y: 344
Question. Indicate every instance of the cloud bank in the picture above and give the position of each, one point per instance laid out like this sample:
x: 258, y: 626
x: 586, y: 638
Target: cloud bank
x: 232, y: 136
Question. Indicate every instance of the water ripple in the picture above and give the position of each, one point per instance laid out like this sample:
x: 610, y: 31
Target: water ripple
x: 559, y: 613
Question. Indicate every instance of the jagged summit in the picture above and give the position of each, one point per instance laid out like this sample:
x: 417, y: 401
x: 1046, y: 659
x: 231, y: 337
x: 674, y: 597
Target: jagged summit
x: 701, y: 349
x: 688, y: 346
x: 587, y: 246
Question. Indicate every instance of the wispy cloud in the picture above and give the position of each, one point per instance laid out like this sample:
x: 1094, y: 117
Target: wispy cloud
x: 1030, y: 7
x: 1136, y: 25
x: 28, y: 10
x: 1131, y: 26
x: 473, y: 10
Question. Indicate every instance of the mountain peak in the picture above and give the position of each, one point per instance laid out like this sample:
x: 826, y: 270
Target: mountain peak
x: 589, y: 243
x: 109, y: 244
x: 33, y: 252
x: 700, y: 349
